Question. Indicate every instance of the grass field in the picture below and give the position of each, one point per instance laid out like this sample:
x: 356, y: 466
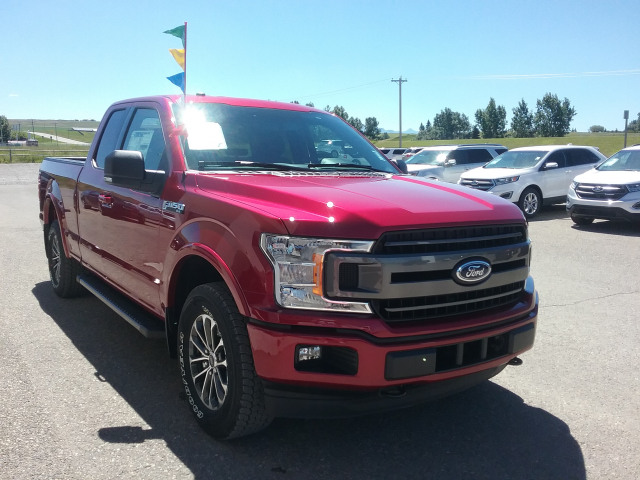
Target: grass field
x: 608, y: 143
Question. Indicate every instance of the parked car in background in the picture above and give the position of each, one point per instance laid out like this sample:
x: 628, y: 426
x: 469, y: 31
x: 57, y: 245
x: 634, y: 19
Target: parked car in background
x: 447, y: 162
x: 411, y: 151
x: 332, y: 147
x: 533, y: 176
x: 610, y: 191
x: 393, y: 153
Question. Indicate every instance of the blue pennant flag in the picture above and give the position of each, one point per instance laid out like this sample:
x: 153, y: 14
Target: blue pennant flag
x: 178, y: 80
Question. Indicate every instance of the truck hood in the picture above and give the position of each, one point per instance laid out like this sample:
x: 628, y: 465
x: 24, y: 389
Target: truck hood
x: 609, y: 177
x: 358, y: 206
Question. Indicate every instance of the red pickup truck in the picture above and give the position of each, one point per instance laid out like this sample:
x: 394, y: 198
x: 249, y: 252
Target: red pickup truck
x: 288, y: 279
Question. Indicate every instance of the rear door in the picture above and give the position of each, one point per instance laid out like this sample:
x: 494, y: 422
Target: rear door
x: 124, y: 231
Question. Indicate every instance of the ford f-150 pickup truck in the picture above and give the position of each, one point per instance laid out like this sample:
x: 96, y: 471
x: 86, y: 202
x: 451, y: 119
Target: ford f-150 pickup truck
x: 288, y: 281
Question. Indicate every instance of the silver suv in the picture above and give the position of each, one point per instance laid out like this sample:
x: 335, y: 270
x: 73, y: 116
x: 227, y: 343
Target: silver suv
x: 447, y: 162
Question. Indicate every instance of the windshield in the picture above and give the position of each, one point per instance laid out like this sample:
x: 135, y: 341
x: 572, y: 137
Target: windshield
x: 429, y: 157
x: 624, y: 160
x: 516, y: 159
x: 225, y: 137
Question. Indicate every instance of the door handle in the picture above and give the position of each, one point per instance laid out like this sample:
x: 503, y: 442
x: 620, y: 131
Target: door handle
x: 105, y: 201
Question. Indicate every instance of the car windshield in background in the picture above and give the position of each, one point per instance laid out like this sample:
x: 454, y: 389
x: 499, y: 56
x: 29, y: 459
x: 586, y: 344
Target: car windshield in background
x: 224, y: 137
x: 429, y: 157
x: 515, y: 159
x: 622, y: 161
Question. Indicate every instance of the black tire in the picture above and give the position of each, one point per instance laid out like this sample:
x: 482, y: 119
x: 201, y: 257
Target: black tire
x: 216, y: 365
x: 582, y: 220
x: 62, y: 270
x: 530, y: 202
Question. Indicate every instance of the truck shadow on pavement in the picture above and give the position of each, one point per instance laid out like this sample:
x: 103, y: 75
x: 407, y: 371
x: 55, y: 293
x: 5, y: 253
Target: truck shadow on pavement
x: 484, y: 433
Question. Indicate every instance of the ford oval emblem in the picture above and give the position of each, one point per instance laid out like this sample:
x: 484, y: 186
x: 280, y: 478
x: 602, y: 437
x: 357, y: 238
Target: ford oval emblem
x: 471, y: 272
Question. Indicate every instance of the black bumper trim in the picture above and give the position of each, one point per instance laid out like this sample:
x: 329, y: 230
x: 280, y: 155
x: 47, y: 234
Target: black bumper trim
x: 291, y: 402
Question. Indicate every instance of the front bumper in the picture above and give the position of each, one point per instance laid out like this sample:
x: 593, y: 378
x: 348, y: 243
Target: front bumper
x: 368, y: 374
x: 627, y: 208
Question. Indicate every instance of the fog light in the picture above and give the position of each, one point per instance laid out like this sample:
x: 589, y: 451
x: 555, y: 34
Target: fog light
x: 310, y: 352
x: 506, y: 195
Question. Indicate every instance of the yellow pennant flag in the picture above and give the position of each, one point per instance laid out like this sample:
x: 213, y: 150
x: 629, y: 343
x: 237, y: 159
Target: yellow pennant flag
x: 178, y: 55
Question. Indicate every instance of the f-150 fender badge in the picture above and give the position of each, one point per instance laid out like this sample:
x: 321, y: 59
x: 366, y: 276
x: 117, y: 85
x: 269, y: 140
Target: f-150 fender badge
x: 172, y: 207
x: 471, y: 272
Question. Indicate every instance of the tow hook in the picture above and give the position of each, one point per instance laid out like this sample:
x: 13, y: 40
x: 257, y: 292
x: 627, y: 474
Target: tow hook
x: 515, y: 361
x: 393, y: 392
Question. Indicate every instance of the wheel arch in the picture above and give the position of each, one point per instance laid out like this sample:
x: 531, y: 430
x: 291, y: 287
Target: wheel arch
x: 196, y: 266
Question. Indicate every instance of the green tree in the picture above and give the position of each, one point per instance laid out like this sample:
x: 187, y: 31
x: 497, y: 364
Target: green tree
x: 341, y: 112
x: 356, y: 123
x: 553, y: 117
x: 492, y: 120
x: 597, y: 129
x: 5, y: 129
x: 522, y: 121
x: 634, y: 125
x: 448, y: 125
x: 371, y: 128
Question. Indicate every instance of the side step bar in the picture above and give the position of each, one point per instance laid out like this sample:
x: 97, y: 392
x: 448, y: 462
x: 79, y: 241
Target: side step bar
x: 140, y: 319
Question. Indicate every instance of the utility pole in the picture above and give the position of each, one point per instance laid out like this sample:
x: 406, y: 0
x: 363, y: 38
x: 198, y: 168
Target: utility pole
x: 626, y: 118
x: 400, y: 81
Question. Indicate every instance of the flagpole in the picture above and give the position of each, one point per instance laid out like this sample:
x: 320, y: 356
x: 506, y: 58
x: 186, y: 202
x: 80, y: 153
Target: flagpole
x: 184, y: 93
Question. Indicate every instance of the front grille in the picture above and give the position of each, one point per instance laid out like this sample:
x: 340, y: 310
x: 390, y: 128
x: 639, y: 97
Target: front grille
x: 437, y: 306
x: 477, y: 183
x: 413, y: 276
x: 592, y: 191
x: 432, y: 241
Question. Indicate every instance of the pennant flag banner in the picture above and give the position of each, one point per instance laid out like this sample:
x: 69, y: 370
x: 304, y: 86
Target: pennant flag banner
x: 178, y: 80
x: 178, y: 55
x: 178, y: 32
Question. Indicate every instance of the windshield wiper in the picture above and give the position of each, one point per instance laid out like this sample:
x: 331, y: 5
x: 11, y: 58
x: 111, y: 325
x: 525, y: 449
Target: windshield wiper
x: 237, y: 164
x: 344, y: 165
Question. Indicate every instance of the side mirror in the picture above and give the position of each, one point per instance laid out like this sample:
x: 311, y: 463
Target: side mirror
x: 450, y: 163
x: 550, y: 165
x: 402, y: 165
x: 124, y: 168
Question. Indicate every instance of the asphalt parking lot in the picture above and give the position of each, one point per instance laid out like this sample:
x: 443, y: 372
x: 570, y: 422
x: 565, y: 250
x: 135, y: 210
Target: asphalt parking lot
x: 85, y: 396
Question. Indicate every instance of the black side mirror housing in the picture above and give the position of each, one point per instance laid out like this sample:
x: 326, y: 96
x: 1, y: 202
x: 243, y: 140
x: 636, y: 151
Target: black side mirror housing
x: 125, y: 168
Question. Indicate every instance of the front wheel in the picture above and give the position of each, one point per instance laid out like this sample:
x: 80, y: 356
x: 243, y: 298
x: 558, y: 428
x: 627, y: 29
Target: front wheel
x: 216, y: 365
x: 530, y: 202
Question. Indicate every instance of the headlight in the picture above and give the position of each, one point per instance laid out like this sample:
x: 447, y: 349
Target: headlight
x: 502, y: 181
x: 298, y: 265
x: 635, y: 187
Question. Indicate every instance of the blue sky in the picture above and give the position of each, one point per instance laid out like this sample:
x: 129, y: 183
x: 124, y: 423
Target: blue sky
x: 72, y: 59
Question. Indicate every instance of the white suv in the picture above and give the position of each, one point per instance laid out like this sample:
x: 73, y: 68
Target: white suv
x: 533, y: 176
x: 447, y: 162
x: 610, y: 191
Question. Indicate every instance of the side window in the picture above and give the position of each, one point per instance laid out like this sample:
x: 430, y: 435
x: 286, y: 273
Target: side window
x: 145, y: 135
x: 500, y: 150
x: 479, y: 156
x: 109, y: 139
x: 557, y: 157
x: 460, y: 156
x: 581, y: 157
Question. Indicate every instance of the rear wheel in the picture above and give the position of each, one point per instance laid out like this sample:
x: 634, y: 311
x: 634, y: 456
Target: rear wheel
x: 62, y: 270
x: 581, y: 220
x: 216, y: 365
x: 530, y: 202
